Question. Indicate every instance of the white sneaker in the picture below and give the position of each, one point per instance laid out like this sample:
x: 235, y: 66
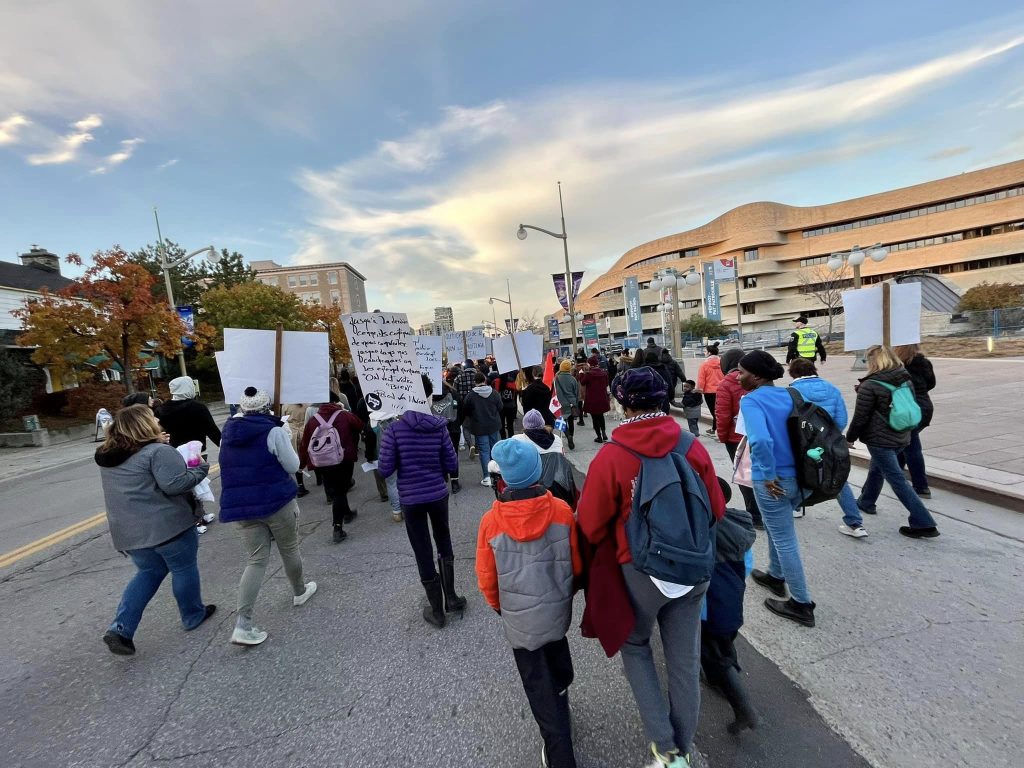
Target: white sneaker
x: 798, y: 512
x: 543, y: 756
x: 201, y: 528
x: 310, y: 591
x: 486, y: 482
x: 671, y: 760
x: 857, y: 533
x: 209, y: 517
x: 251, y: 636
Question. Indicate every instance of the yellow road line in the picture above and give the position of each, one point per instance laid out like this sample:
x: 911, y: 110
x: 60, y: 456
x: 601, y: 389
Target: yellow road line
x: 65, y: 533
x: 53, y: 538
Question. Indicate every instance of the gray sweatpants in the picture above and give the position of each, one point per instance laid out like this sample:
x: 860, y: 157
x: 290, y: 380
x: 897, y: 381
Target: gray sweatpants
x: 670, y: 724
x: 282, y: 527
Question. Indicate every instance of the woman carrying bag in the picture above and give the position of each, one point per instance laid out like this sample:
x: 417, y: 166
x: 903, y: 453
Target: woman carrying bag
x: 145, y: 490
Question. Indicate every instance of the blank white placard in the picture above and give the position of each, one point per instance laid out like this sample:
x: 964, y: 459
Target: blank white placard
x: 862, y: 310
x: 531, y: 351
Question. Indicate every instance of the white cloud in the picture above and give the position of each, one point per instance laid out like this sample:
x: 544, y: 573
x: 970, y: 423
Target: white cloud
x: 10, y: 128
x: 169, y: 164
x: 434, y: 213
x: 65, y: 149
x: 125, y: 153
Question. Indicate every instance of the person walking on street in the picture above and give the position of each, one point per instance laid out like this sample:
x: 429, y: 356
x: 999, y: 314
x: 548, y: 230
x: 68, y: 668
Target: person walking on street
x: 675, y: 373
x: 506, y: 386
x: 463, y: 388
x: 536, y: 396
x: 825, y: 394
x: 483, y: 411
x: 556, y: 471
x: 871, y: 424
x: 923, y: 376
x: 579, y: 369
x: 567, y: 388
x: 418, y: 449
x: 258, y: 463
x: 727, y: 409
x: 527, y: 563
x: 145, y: 483
x: 186, y: 419
x: 605, y: 506
x: 691, y: 406
x: 334, y: 454
x: 296, y: 413
x: 596, y: 404
x: 709, y: 376
x: 765, y: 410
x: 805, y: 342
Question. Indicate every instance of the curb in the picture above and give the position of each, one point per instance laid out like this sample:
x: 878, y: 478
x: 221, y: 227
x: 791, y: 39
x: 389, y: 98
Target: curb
x: 947, y: 481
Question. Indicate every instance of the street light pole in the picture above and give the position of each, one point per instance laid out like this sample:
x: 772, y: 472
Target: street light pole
x: 569, y: 284
x: 166, y: 265
x: 670, y: 278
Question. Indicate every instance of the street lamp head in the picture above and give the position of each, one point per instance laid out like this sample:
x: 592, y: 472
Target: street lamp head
x: 856, y: 257
x: 521, y: 232
x: 660, y: 307
x: 656, y: 284
x: 491, y: 302
x: 835, y: 263
x: 692, y: 278
x: 211, y: 255
x: 878, y: 252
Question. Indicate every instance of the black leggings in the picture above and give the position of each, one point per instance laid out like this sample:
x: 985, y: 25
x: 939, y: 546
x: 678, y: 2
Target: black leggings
x: 336, y: 482
x: 417, y: 517
x: 598, y: 419
x: 709, y: 398
x: 508, y: 424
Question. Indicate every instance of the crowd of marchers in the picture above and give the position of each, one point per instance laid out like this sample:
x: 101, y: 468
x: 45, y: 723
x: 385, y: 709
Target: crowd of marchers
x: 649, y: 538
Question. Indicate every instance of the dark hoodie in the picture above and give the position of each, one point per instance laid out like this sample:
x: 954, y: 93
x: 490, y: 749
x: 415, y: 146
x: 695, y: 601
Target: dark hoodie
x: 870, y: 422
x: 418, y: 447
x: 187, y: 420
x: 482, y: 409
x: 537, y: 397
x: 608, y: 490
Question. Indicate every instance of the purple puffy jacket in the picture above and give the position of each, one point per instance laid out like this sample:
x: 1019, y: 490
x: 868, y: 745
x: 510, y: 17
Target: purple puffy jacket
x: 418, y: 447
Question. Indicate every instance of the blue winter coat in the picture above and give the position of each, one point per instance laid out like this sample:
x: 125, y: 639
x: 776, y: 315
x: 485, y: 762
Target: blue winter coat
x: 253, y: 482
x: 418, y: 447
x: 825, y: 394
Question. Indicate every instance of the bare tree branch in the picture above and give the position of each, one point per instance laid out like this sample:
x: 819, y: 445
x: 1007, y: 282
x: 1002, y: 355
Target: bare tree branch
x: 827, y: 286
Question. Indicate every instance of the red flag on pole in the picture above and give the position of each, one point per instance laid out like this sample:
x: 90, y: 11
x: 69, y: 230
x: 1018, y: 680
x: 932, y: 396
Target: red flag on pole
x: 549, y: 381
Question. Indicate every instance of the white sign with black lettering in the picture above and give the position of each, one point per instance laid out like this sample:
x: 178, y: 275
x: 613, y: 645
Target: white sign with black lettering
x: 386, y: 361
x: 428, y: 351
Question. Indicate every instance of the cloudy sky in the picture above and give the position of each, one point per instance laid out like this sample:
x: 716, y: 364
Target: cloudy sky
x: 410, y: 138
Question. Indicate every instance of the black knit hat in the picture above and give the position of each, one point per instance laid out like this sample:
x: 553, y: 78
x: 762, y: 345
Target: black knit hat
x: 762, y: 364
x: 639, y: 388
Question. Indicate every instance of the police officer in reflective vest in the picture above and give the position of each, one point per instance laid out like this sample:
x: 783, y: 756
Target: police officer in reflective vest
x: 805, y: 342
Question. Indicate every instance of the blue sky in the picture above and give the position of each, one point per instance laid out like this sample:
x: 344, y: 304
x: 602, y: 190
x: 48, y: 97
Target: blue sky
x: 411, y: 139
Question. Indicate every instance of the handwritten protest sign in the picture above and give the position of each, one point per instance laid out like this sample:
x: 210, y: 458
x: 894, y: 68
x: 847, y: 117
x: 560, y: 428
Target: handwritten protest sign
x: 248, y: 360
x: 428, y: 351
x: 871, y: 320
x: 530, y: 348
x: 455, y: 346
x: 476, y: 344
x: 386, y: 362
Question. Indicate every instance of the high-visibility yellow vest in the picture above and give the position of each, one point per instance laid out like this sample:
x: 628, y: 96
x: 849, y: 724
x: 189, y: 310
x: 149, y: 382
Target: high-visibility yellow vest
x: 806, y: 342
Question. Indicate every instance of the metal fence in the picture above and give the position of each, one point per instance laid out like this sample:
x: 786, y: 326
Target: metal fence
x: 990, y: 322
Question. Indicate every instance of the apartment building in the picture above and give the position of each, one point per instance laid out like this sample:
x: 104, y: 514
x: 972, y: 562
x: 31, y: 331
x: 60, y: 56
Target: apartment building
x: 967, y: 229
x: 430, y: 329
x: 337, y: 283
x: 444, y: 319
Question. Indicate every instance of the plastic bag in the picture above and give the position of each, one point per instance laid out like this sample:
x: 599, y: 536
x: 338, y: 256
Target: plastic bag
x: 192, y: 452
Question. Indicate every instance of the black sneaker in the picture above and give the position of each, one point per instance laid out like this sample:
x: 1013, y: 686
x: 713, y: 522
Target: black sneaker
x: 302, y: 492
x: 924, y: 494
x: 350, y: 517
x: 339, y: 534
x: 769, y: 582
x: 919, y: 533
x: 801, y: 613
x: 872, y: 510
x: 572, y: 445
x: 210, y: 610
x: 758, y: 523
x: 118, y: 644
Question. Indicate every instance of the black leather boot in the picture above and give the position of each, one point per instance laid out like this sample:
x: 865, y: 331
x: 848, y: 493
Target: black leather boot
x: 731, y: 685
x: 801, y: 613
x: 434, y: 612
x: 452, y: 602
x: 769, y: 582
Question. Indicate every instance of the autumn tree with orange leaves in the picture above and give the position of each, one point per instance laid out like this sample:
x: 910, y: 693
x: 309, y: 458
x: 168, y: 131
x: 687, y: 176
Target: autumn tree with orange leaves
x: 111, y: 310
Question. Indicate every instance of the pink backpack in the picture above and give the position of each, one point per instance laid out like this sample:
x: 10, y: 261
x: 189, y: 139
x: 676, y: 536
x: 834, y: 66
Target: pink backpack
x: 325, y: 444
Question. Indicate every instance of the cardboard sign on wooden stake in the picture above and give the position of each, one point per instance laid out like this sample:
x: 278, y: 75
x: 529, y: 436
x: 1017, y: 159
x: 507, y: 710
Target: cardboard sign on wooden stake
x: 887, y: 314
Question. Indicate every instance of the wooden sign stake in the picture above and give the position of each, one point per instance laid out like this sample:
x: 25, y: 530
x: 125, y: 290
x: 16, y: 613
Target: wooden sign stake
x: 277, y: 369
x: 886, y: 314
x: 515, y: 348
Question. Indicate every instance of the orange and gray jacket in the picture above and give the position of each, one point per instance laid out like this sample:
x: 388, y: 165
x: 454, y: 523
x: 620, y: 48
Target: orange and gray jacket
x: 526, y: 562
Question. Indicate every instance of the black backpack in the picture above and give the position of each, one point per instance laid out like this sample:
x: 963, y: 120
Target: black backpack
x: 820, y: 450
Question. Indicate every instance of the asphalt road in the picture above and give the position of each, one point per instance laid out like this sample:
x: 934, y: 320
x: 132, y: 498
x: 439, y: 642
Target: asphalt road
x: 354, y: 678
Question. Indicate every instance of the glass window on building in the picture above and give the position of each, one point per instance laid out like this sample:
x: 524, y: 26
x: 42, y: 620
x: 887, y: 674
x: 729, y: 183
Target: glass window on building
x: 748, y: 307
x: 314, y: 280
x: 751, y: 254
x: 332, y: 278
x: 293, y: 281
x: 750, y: 282
x: 303, y: 280
x: 335, y: 296
x: 691, y: 253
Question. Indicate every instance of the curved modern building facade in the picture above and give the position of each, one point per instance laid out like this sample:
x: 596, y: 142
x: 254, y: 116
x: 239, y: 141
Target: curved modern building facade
x: 967, y: 229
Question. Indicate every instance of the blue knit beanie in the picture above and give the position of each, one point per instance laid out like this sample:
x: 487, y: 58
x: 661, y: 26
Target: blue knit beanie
x: 519, y: 461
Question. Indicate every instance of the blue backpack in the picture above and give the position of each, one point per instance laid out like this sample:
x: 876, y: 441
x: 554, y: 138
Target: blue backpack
x: 670, y: 524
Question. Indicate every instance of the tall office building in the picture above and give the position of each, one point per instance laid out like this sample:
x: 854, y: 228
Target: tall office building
x: 444, y: 318
x: 337, y: 283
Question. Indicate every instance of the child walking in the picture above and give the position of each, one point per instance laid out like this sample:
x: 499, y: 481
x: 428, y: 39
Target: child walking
x: 691, y: 405
x: 526, y: 562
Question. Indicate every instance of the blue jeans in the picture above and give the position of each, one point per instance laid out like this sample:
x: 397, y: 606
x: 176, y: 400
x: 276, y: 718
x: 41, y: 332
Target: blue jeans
x: 851, y: 512
x: 177, y: 556
x: 783, y: 549
x: 484, y: 443
x: 885, y: 468
x: 913, y: 457
x: 392, y: 485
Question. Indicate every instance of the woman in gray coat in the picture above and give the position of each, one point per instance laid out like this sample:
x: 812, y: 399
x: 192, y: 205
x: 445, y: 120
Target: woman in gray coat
x: 145, y: 487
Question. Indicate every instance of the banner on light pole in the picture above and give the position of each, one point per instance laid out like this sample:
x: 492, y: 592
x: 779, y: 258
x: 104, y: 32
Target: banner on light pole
x: 712, y: 304
x: 631, y: 294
